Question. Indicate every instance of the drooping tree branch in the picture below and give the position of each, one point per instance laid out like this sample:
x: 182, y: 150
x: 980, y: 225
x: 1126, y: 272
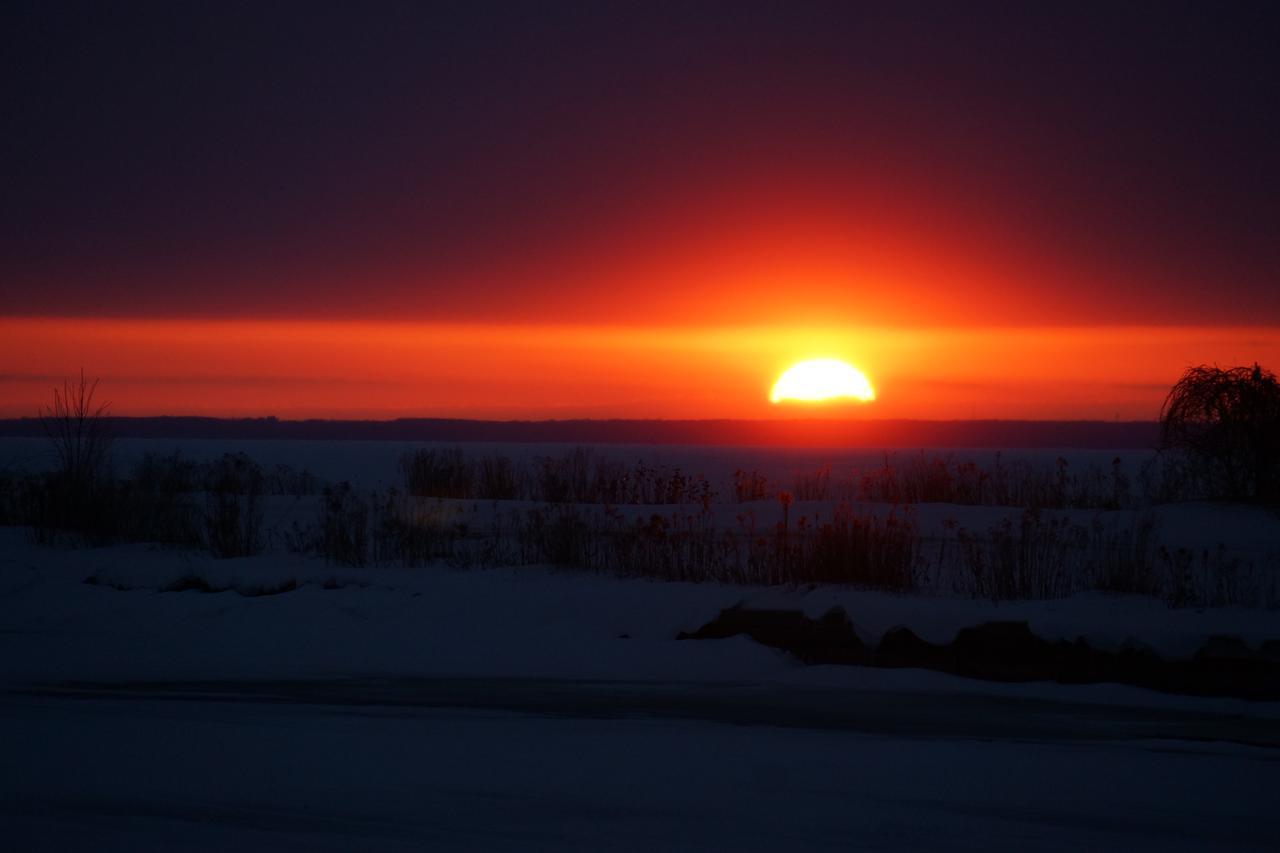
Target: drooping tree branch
x: 1228, y: 422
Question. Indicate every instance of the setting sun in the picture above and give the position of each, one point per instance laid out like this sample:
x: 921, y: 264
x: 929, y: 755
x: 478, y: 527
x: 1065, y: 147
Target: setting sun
x: 822, y: 379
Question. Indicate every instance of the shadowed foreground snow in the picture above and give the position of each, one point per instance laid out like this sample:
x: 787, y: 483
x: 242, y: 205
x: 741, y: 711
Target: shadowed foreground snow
x: 534, y: 710
x: 129, y: 775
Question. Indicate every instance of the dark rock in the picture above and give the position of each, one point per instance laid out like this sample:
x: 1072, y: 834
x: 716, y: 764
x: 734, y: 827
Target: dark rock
x: 1010, y: 651
x: 829, y: 639
x: 902, y: 647
x: 1135, y: 663
x: 1000, y: 651
x: 1270, y: 650
x: 1221, y: 647
x: 258, y: 591
x: 1078, y: 662
x: 192, y: 582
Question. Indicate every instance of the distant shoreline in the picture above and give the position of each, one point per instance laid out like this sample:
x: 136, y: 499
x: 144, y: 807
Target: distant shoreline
x: 1113, y: 435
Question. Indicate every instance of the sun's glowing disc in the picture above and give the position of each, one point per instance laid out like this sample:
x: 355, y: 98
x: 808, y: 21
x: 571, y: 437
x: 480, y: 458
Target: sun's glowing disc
x: 822, y: 379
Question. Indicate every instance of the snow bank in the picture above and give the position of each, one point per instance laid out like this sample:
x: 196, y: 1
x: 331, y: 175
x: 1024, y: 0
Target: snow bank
x: 528, y: 622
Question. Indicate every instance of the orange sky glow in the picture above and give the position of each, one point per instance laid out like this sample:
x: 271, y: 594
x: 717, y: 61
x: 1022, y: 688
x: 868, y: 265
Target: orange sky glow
x: 387, y: 369
x: 615, y: 211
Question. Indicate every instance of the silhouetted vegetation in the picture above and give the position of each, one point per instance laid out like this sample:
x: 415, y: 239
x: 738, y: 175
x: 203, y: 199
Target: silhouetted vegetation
x: 438, y: 473
x: 812, y: 485
x: 1220, y: 433
x: 166, y: 499
x: 1227, y: 422
x: 497, y: 479
x: 577, y: 476
x: 860, y: 549
x: 78, y: 432
x: 579, y: 509
x: 75, y: 496
x: 1017, y: 483
x: 174, y: 473
x: 344, y: 526
x: 80, y: 501
x: 10, y: 504
x: 408, y: 531
x: 233, y: 517
x: 749, y: 486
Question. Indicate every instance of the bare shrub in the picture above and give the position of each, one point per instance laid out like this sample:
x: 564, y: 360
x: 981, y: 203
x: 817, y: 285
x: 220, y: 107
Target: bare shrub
x: 47, y: 506
x: 812, y: 485
x: 77, y: 429
x: 344, y: 526
x: 1213, y: 577
x: 57, y: 509
x: 1126, y: 557
x: 437, y: 473
x: 580, y: 477
x: 862, y: 550
x: 152, y: 506
x: 613, y: 483
x: 1227, y: 422
x: 940, y: 479
x: 929, y: 479
x: 286, y: 480
x: 174, y: 473
x: 749, y: 486
x: 168, y: 473
x: 919, y: 479
x: 10, y: 491
x: 299, y: 538
x: 497, y: 479
x: 412, y: 532
x: 164, y: 517
x: 75, y: 496
x: 233, y: 512
x: 558, y: 535
x: 676, y: 547
x: 576, y: 476
x: 1167, y: 477
x: 564, y: 479
x: 1038, y: 557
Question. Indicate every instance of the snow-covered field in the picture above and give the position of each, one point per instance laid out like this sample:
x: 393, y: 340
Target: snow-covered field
x: 537, y: 709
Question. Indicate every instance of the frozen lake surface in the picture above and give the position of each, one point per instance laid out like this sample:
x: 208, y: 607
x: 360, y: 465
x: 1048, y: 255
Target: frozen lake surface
x: 375, y: 464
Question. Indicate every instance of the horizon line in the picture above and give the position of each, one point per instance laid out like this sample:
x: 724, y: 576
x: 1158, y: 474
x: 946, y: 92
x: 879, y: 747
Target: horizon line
x: 587, y: 419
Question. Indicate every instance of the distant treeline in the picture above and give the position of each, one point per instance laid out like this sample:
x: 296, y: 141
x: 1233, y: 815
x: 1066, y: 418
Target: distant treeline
x: 1103, y: 435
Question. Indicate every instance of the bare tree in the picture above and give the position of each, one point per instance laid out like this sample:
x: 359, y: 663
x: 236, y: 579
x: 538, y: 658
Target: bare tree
x: 78, y: 431
x: 1228, y: 423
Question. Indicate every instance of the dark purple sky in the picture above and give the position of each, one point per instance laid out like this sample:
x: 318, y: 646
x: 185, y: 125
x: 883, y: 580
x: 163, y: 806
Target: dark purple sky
x: 1111, y: 163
